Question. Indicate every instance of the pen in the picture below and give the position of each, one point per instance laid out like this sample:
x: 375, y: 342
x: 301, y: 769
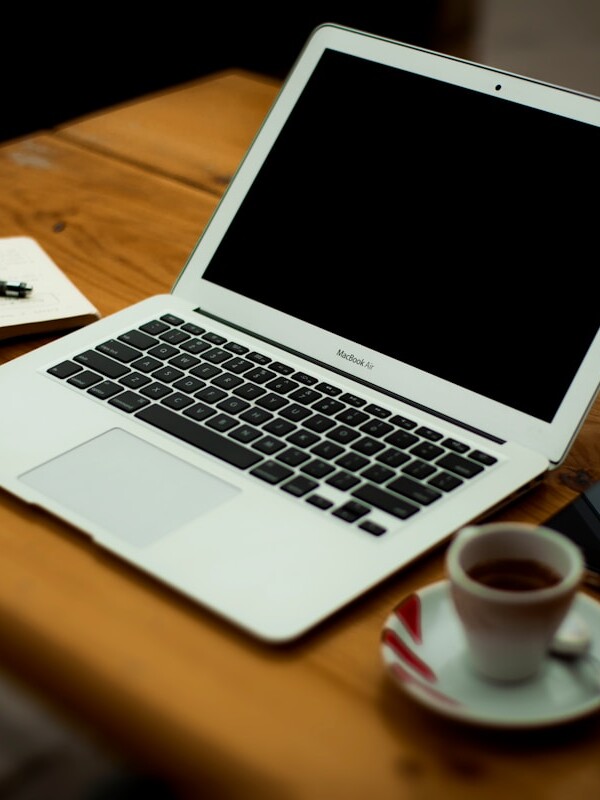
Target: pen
x: 15, y: 289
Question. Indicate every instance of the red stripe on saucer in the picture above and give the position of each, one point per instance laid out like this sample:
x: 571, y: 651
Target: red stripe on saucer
x: 409, y: 614
x: 392, y: 640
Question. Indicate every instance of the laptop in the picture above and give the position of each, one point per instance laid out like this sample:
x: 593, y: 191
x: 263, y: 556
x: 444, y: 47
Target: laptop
x: 380, y: 336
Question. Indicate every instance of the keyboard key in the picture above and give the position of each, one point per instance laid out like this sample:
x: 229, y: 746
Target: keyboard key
x: 327, y: 388
x: 163, y: 351
x: 293, y: 457
x: 195, y: 346
x: 372, y: 528
x: 269, y: 445
x: 428, y: 433
x: 427, y: 450
x: 258, y: 358
x: 256, y: 416
x: 215, y: 338
x: 154, y: 327
x: 352, y: 416
x: 216, y: 355
x: 385, y: 501
x: 319, y: 423
x: 245, y: 433
x: 167, y: 374
x: 172, y: 319
x: 233, y: 405
x: 271, y: 472
x: 377, y: 411
x: 105, y: 390
x: 189, y: 384
x: 146, y: 364
x: 184, y: 361
x: 199, y: 412
x: 352, y: 461
x: 156, y: 390
x: 414, y: 491
x: 453, y: 444
x: 483, y: 458
x: 234, y: 347
x: 195, y: 330
x: 295, y: 412
x: 205, y: 371
x: 134, y: 380
x: 210, y: 394
x: 319, y: 502
x: 259, y: 375
x: 445, y: 481
x: 392, y: 457
x: 102, y: 364
x: 367, y: 446
x: 302, y: 377
x: 299, y: 486
x: 459, y: 465
x: 306, y: 396
x: 283, y: 369
x: 343, y: 480
x: 343, y: 434
x: 418, y: 469
x: 222, y: 422
x: 351, y: 511
x: 327, y: 450
x: 198, y: 436
x: 128, y: 401
x: 378, y: 473
x: 402, y: 422
x: 249, y: 391
x: 138, y: 339
x: 401, y: 439
x: 271, y: 401
x: 65, y: 369
x: 237, y: 365
x: 303, y: 438
x: 352, y: 400
x: 177, y: 400
x: 376, y: 427
x: 226, y: 381
x: 85, y: 379
x: 119, y: 350
x: 282, y: 385
x: 279, y: 427
x: 328, y: 406
x: 317, y: 468
x: 174, y: 336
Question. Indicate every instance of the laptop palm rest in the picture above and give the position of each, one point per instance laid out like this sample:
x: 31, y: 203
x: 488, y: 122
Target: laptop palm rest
x: 129, y: 487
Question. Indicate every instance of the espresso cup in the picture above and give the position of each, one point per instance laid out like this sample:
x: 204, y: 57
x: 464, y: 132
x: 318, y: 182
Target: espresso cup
x: 512, y: 585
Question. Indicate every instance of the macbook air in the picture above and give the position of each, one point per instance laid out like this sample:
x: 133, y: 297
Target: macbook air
x: 380, y: 336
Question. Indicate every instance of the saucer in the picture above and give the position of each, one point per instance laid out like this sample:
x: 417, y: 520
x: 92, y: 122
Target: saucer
x: 424, y: 651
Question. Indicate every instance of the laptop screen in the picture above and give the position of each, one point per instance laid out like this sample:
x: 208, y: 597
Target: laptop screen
x: 440, y: 226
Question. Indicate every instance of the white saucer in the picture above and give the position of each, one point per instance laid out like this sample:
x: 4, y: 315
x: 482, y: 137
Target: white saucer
x: 423, y: 649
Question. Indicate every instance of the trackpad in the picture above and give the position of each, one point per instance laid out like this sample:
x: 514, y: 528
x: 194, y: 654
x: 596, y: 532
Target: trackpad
x: 129, y: 487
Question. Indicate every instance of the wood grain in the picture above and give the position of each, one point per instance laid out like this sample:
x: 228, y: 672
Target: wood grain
x: 166, y: 681
x: 197, y: 133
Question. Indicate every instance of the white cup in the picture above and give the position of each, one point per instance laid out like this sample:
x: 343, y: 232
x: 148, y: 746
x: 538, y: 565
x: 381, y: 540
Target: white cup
x: 509, y: 629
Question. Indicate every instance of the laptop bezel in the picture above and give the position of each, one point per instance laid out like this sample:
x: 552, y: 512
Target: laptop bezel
x: 552, y: 439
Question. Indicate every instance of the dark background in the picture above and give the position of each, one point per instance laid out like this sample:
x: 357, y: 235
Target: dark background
x: 57, y: 64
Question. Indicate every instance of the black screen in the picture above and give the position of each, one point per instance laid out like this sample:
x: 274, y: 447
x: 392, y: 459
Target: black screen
x: 443, y: 227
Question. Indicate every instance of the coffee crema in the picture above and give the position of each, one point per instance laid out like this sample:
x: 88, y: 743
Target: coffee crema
x: 514, y: 574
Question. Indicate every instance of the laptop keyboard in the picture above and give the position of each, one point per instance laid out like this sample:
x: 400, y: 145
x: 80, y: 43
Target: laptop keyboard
x: 311, y: 439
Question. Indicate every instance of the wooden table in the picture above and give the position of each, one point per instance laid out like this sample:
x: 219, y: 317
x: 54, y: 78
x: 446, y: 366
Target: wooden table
x: 118, y: 200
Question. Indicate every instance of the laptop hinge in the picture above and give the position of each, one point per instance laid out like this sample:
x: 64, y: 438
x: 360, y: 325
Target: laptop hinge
x: 355, y: 379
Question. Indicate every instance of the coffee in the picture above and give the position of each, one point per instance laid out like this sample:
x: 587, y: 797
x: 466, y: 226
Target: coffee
x: 514, y: 574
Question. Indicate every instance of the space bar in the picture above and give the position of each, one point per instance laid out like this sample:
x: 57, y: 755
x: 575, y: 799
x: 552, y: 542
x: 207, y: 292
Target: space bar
x: 192, y: 433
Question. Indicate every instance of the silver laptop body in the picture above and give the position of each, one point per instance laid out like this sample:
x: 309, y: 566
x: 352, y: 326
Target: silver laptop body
x: 366, y: 350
